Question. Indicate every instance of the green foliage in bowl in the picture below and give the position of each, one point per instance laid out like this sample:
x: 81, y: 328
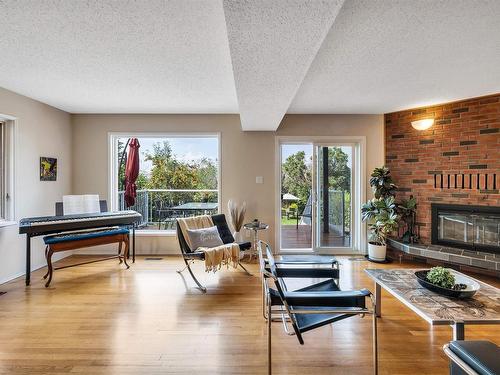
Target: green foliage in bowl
x: 442, y: 277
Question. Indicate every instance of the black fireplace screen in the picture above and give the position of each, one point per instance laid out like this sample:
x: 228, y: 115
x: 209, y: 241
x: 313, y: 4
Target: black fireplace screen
x: 471, y: 227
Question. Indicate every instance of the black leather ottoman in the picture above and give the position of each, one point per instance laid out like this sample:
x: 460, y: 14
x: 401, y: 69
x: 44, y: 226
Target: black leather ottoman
x: 473, y: 357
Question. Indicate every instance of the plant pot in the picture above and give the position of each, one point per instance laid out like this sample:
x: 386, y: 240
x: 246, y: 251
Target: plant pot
x: 471, y: 286
x: 376, y: 252
x: 238, y: 237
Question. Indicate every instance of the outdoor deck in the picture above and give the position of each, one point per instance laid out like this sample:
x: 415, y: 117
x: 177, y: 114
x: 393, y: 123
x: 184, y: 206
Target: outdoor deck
x: 293, y: 237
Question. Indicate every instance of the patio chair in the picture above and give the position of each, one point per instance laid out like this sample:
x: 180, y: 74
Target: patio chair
x: 161, y: 207
x: 307, y: 211
x: 170, y: 219
x: 283, y: 212
x: 190, y: 256
x: 292, y: 213
x: 314, y: 306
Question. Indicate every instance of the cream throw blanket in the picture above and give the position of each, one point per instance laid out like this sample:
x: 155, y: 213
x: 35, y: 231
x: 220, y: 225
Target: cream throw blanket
x: 215, y: 257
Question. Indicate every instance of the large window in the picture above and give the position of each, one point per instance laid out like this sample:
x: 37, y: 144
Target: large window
x: 2, y: 170
x: 178, y: 177
x: 7, y: 215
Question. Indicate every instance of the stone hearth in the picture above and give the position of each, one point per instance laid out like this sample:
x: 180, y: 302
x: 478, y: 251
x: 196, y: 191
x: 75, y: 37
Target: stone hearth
x: 449, y: 256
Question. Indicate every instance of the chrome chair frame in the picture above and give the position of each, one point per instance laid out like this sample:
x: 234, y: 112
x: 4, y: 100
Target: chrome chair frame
x: 190, y: 256
x: 334, y: 270
x: 288, y: 314
x: 458, y: 361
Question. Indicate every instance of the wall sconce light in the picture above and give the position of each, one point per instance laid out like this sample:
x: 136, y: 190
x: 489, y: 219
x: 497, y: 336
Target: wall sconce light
x: 422, y: 124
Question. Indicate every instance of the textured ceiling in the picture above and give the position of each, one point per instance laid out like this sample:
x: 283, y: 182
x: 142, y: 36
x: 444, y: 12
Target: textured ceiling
x: 259, y: 58
x: 144, y: 56
x: 272, y: 45
x: 383, y: 56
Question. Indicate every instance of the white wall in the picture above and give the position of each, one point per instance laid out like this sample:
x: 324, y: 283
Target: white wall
x: 245, y: 155
x: 41, y: 131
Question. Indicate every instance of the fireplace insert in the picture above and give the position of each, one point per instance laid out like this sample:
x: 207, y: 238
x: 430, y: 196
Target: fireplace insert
x: 467, y: 227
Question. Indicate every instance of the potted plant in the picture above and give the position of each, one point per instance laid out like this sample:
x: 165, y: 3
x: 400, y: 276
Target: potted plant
x: 380, y: 212
x: 445, y: 282
x: 407, y: 211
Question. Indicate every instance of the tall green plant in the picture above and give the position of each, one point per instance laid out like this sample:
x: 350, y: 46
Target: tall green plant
x: 381, y: 211
x: 381, y: 183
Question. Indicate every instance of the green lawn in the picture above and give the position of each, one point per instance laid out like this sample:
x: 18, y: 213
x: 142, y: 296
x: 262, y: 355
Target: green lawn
x: 285, y: 221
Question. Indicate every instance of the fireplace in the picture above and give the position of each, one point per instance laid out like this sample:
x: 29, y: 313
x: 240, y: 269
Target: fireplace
x: 467, y: 227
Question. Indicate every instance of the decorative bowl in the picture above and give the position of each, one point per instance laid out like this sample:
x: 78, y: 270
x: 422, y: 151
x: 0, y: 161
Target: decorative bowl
x: 471, y: 286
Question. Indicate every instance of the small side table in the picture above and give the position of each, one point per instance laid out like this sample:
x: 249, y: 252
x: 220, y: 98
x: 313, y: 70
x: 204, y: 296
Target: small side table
x: 255, y: 229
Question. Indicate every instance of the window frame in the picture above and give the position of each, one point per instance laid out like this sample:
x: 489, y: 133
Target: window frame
x: 113, y: 167
x: 8, y: 168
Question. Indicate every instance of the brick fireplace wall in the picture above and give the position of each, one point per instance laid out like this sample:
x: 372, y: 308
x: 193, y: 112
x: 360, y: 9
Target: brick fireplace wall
x: 465, y: 139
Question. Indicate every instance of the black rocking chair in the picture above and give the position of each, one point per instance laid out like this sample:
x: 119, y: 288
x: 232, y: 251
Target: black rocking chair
x: 190, y: 256
x: 314, y: 306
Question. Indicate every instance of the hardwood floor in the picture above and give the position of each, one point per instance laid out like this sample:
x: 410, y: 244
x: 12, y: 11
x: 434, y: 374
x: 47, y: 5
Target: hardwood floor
x: 293, y: 237
x: 103, y: 319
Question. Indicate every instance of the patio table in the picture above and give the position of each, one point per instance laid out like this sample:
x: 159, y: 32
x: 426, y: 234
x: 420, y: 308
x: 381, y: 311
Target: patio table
x: 204, y: 207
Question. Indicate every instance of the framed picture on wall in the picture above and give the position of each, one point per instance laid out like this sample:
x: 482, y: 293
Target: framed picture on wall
x: 48, y: 169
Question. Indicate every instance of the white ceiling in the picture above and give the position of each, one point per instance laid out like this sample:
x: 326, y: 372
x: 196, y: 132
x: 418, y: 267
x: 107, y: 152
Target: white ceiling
x: 384, y: 56
x: 272, y: 45
x: 148, y: 56
x: 252, y: 57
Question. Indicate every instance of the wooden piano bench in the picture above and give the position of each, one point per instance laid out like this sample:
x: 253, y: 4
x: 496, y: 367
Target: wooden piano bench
x: 78, y: 240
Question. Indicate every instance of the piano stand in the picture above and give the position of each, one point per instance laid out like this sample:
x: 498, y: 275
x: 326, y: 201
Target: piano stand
x: 133, y: 244
x: 28, y: 259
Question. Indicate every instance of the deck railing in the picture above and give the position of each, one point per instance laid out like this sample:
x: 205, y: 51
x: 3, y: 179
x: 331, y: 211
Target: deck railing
x: 157, y: 206
x: 339, y: 212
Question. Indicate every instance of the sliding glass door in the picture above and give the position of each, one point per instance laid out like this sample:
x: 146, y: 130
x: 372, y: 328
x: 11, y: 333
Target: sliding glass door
x: 296, y: 164
x: 319, y: 193
x: 332, y: 196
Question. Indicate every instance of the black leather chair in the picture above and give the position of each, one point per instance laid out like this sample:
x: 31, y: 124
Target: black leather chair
x: 324, y: 266
x: 473, y: 357
x: 314, y: 306
x: 190, y: 256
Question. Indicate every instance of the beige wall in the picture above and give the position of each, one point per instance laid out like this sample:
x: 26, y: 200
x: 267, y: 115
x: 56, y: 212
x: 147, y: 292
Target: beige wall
x: 41, y: 131
x: 245, y: 155
x: 82, y: 152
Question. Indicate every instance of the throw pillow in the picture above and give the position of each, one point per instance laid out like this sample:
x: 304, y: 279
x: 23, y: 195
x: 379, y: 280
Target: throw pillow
x: 206, y: 237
